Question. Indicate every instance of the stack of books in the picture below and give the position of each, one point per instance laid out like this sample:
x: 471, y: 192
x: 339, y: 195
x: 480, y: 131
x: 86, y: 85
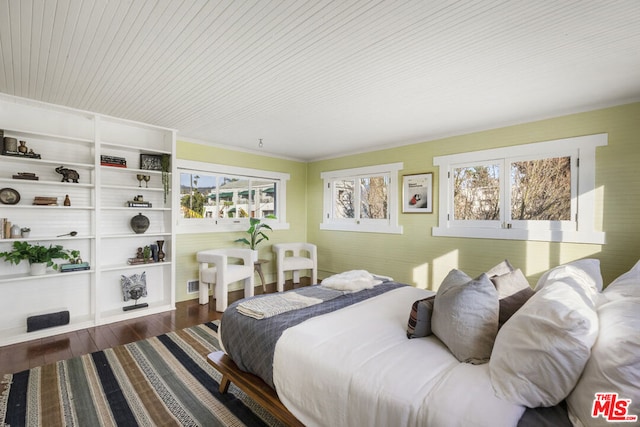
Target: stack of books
x: 118, y: 162
x: 5, y: 228
x: 134, y: 261
x: 45, y: 201
x: 65, y: 268
x: 138, y: 204
x: 26, y: 175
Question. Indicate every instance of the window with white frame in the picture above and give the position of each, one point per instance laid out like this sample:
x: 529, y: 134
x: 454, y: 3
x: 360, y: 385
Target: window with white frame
x: 216, y: 197
x: 541, y: 191
x: 362, y: 199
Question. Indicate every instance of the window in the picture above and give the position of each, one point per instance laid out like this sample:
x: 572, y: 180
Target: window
x: 222, y: 198
x: 541, y: 191
x: 362, y: 199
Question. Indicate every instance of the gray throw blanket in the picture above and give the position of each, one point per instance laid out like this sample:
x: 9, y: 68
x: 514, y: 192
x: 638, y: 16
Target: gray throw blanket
x: 251, y: 342
x: 281, y: 302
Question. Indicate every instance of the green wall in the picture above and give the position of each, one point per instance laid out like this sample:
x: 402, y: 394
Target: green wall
x: 188, y: 244
x: 417, y: 258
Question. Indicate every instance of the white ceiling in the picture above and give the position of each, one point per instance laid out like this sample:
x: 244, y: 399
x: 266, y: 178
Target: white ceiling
x: 317, y: 79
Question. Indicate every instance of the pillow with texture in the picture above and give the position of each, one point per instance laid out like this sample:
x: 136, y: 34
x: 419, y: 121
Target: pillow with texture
x: 419, y: 324
x: 465, y: 316
x: 513, y: 291
x: 585, y: 271
x: 504, y: 267
x: 625, y: 286
x: 614, y: 365
x: 541, y: 351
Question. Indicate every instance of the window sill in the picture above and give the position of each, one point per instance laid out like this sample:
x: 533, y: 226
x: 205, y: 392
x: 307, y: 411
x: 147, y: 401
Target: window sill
x: 200, y: 226
x: 362, y: 228
x: 520, y: 234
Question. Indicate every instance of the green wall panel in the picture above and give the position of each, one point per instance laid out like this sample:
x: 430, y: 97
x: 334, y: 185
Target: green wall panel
x: 188, y: 244
x: 417, y: 258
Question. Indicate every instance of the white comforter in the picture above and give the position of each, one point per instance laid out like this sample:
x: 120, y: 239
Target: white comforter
x: 356, y: 367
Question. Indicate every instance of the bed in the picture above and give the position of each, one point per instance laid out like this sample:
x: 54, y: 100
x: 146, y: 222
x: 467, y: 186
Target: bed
x: 347, y: 360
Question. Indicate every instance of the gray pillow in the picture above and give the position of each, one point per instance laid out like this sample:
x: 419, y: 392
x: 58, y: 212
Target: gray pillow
x: 465, y: 316
x: 419, y: 324
x: 513, y: 291
x: 498, y: 270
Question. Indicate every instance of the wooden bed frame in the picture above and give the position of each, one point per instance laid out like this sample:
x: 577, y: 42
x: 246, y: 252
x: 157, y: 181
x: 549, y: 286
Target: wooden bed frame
x: 252, y: 385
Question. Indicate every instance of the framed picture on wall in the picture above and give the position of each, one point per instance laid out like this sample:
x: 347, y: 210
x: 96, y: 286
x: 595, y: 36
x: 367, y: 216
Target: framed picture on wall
x: 417, y: 193
x: 151, y: 162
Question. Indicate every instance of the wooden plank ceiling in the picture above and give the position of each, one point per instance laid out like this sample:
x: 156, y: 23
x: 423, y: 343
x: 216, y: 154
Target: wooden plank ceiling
x: 316, y: 79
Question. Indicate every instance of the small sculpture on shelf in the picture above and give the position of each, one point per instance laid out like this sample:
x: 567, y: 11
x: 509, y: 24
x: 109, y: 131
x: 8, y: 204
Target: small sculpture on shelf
x: 134, y: 287
x: 68, y: 175
x: 143, y: 256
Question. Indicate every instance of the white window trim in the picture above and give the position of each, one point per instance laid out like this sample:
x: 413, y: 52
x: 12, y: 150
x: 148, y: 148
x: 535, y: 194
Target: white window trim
x: 365, y: 226
x: 584, y: 146
x: 209, y: 225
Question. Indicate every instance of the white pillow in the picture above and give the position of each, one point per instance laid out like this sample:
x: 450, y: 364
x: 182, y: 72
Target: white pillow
x: 625, y: 286
x: 585, y: 271
x: 614, y: 366
x: 465, y: 316
x: 541, y: 351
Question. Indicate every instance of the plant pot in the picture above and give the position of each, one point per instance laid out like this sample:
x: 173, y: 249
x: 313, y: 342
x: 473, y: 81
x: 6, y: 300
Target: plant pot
x: 254, y: 255
x: 38, y: 268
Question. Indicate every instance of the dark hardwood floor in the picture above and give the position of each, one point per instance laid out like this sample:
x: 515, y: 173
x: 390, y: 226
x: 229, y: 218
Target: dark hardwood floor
x: 38, y: 352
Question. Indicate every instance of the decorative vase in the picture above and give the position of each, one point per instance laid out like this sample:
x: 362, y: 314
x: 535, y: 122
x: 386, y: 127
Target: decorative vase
x: 38, y: 268
x: 139, y: 223
x: 10, y: 145
x: 16, y: 232
x: 23, y: 148
x: 160, y: 251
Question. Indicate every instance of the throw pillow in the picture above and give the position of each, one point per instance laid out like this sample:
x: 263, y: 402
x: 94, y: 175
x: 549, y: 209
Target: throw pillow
x: 498, y: 270
x: 584, y: 271
x: 614, y: 365
x: 625, y: 286
x: 541, y: 351
x: 419, y: 324
x: 465, y: 316
x: 513, y: 291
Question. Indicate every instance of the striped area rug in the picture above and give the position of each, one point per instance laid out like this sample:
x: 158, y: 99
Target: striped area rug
x: 160, y: 381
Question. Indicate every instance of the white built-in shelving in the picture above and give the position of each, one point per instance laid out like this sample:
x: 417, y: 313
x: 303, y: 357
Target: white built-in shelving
x: 98, y: 214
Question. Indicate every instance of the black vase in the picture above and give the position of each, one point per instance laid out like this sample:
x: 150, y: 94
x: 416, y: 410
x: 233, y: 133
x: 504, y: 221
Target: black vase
x: 139, y: 223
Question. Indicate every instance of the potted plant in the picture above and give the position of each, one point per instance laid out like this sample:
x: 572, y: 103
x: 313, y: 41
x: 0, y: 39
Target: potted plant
x: 165, y: 164
x: 256, y: 234
x: 39, y: 257
x: 24, y: 232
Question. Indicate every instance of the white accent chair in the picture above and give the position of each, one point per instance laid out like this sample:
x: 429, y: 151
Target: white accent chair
x: 295, y: 257
x: 222, y: 273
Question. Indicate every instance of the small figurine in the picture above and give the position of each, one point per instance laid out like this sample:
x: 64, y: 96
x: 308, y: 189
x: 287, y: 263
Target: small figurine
x: 68, y: 174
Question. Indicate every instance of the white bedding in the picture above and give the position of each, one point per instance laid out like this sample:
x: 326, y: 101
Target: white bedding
x: 356, y: 367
